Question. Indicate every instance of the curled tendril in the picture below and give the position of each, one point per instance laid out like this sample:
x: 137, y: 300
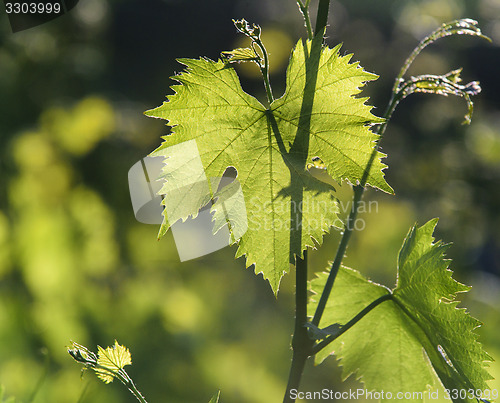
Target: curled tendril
x: 253, y: 31
x: 465, y: 26
x: 447, y: 84
x: 250, y: 54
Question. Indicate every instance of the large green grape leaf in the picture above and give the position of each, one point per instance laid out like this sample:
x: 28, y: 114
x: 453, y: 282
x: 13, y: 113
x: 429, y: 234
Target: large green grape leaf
x: 398, y: 345
x: 384, y: 348
x: 426, y: 291
x: 318, y: 116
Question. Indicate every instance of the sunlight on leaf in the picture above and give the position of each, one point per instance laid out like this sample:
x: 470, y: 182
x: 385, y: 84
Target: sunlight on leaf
x: 269, y: 150
x: 241, y: 55
x: 402, y: 343
x: 111, y: 361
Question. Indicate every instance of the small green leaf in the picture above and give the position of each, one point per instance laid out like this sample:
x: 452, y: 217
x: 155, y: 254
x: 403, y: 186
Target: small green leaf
x: 111, y: 360
x: 241, y: 55
x: 399, y: 345
x: 253, y: 31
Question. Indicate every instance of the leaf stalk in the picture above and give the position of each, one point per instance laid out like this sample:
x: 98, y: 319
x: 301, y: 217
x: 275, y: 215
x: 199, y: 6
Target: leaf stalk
x: 264, y: 68
x: 253, y: 32
x: 329, y: 339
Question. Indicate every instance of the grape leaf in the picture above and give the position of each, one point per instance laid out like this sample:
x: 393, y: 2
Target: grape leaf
x: 426, y: 291
x: 318, y: 116
x: 111, y: 360
x: 241, y: 55
x: 397, y: 346
x: 383, y: 348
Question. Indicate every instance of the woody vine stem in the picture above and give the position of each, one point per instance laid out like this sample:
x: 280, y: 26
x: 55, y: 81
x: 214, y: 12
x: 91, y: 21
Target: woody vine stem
x: 301, y: 343
x: 303, y: 346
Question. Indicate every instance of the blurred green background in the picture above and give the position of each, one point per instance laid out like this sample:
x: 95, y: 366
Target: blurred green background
x: 76, y: 265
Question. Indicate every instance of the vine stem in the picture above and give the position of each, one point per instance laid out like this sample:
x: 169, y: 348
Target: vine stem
x: 349, y: 227
x: 322, y: 16
x: 136, y: 392
x: 264, y: 68
x: 396, y: 97
x: 129, y: 383
x: 359, y: 190
x: 301, y: 343
x: 358, y: 194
